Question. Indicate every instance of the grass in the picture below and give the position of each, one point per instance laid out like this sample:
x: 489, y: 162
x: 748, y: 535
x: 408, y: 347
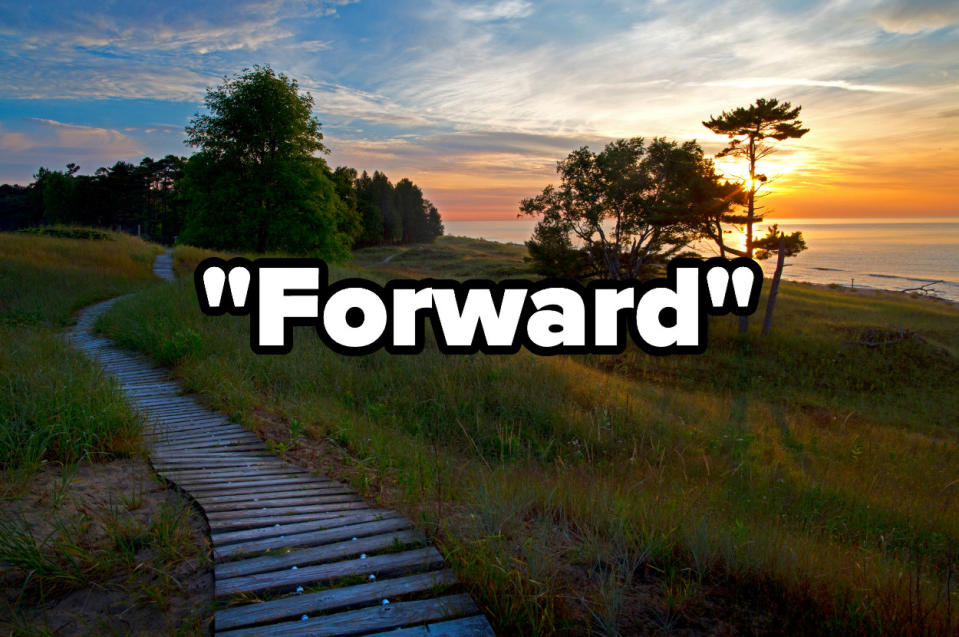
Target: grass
x: 801, y: 483
x: 68, y: 529
x: 131, y: 551
x: 447, y: 257
x: 54, y: 404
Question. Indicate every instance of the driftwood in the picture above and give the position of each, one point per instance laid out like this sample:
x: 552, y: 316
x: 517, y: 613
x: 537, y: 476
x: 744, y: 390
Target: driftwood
x: 922, y: 289
x: 895, y: 337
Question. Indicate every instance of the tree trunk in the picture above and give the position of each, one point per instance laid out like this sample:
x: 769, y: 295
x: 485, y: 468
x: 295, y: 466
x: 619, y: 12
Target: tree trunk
x: 774, y: 288
x: 750, y: 212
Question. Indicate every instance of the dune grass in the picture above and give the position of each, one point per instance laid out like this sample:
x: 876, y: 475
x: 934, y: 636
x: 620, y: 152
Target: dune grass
x: 447, y: 257
x: 803, y: 483
x: 55, y: 405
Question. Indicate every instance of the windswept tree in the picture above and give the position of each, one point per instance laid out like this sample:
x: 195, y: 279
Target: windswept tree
x: 256, y: 183
x: 750, y: 131
x: 628, y: 207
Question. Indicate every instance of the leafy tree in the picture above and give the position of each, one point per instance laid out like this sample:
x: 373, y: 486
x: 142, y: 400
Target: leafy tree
x: 628, y: 207
x: 382, y: 192
x: 748, y: 129
x: 552, y: 253
x: 394, y: 214
x: 19, y: 206
x: 255, y: 183
x: 434, y: 222
x: 368, y: 208
x: 163, y: 215
x: 414, y: 211
x: 57, y: 190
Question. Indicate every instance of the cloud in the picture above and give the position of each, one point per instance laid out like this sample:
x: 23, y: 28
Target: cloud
x: 471, y: 95
x: 503, y: 10
x: 45, y: 142
x: 782, y: 82
x: 73, y: 137
x: 914, y: 16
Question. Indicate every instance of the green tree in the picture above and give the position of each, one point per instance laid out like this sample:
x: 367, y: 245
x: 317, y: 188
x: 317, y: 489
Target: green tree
x: 749, y: 130
x: 433, y: 221
x: 415, y: 212
x: 255, y: 182
x: 629, y: 207
x: 371, y: 220
x: 57, y: 192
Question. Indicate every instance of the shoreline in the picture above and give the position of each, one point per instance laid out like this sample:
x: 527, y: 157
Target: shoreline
x: 873, y: 292
x: 863, y: 291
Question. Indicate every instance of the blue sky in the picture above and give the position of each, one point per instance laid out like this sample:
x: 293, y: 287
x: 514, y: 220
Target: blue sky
x: 476, y: 101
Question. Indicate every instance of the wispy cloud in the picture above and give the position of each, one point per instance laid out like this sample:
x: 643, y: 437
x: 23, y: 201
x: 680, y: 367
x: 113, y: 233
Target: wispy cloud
x: 913, y: 16
x: 482, y: 98
x: 503, y: 10
x: 784, y: 82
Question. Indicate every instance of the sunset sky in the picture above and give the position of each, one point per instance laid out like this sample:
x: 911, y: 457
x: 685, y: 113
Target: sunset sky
x: 477, y: 101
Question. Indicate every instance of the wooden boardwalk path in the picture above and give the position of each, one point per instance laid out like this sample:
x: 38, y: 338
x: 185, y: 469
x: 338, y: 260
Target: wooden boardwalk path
x: 295, y: 553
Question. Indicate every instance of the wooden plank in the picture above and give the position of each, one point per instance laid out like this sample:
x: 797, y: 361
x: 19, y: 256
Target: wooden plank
x: 333, y: 599
x: 198, y: 428
x: 364, y: 620
x: 221, y: 431
x: 270, y: 502
x: 275, y: 529
x: 205, y: 484
x: 416, y: 560
x: 227, y: 440
x: 167, y: 385
x: 210, y: 466
x: 475, y: 626
x: 202, y: 429
x: 221, y: 462
x: 181, y: 416
x: 288, y: 497
x: 235, y: 436
x: 313, y: 538
x: 347, y: 502
x: 212, y: 479
x: 230, y: 474
x: 209, y: 430
x: 316, y: 554
x: 178, y: 417
x: 256, y: 521
x: 213, y: 458
x: 308, y: 488
x: 244, y: 470
x: 203, y: 446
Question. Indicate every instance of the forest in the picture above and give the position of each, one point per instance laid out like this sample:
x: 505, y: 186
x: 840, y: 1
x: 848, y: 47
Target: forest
x: 256, y: 183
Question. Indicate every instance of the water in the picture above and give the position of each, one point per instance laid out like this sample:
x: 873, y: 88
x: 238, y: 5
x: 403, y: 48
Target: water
x: 887, y: 254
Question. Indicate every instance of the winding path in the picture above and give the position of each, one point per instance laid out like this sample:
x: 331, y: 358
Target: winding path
x: 295, y: 553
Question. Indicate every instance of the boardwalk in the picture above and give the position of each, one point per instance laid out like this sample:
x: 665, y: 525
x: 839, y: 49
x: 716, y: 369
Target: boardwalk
x: 295, y: 553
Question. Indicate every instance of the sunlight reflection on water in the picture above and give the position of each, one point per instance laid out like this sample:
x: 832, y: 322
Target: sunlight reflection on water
x: 876, y: 253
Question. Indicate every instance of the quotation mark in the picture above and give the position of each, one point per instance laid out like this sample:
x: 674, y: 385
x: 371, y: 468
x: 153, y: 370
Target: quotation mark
x: 214, y: 279
x: 717, y: 281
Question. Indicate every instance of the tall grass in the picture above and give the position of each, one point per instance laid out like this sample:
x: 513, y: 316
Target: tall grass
x: 54, y: 404
x: 797, y: 484
x: 44, y: 280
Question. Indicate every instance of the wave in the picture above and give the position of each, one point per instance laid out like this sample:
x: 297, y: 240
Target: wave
x: 903, y: 278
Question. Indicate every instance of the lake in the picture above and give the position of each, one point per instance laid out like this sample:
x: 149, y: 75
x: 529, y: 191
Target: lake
x: 891, y: 254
